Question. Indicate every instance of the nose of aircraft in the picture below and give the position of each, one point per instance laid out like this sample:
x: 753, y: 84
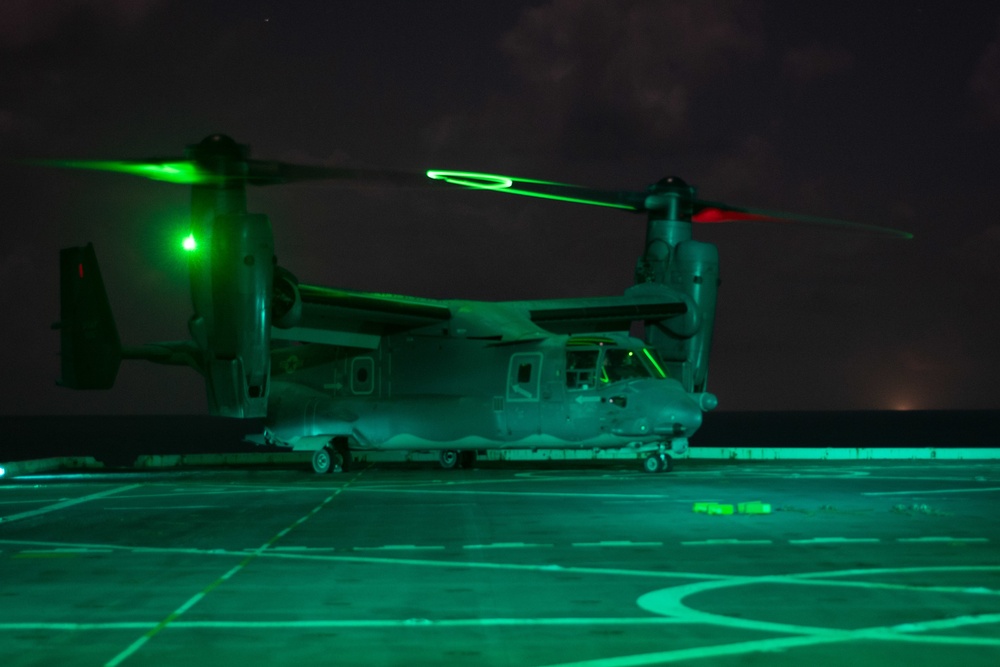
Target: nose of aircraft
x: 679, y: 414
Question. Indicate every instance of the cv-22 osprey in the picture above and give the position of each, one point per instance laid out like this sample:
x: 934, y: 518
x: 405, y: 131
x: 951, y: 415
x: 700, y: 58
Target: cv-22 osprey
x: 337, y: 371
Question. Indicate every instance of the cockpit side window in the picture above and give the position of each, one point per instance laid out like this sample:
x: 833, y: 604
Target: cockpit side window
x: 581, y: 369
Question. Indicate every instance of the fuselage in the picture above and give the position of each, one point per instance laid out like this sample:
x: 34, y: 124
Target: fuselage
x: 437, y: 392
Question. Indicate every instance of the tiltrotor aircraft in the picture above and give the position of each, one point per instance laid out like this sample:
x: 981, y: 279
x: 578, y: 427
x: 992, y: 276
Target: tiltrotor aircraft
x: 339, y: 371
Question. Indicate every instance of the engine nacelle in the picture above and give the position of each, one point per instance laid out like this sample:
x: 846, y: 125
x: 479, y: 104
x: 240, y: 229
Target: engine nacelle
x: 233, y: 325
x: 685, y: 344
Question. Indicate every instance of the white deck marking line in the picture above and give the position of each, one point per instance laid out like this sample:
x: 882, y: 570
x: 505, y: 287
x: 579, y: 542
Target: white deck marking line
x: 399, y: 547
x: 67, y: 503
x: 348, y: 623
x: 740, y: 648
x: 194, y: 492
x: 71, y: 545
x: 693, y: 543
x: 367, y: 489
x: 67, y: 550
x: 847, y: 583
x: 670, y: 603
x: 31, y: 502
x: 163, y: 507
x: 837, y: 540
x: 197, y: 597
x: 497, y: 480
x: 617, y: 543
x: 942, y: 539
x: 928, y: 492
x: 507, y: 545
x: 770, y: 645
x: 514, y: 567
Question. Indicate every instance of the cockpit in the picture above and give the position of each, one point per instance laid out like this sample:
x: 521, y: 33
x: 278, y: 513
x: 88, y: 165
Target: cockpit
x: 596, y: 361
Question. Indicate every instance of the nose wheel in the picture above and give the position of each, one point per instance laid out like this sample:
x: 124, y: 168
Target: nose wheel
x: 658, y: 462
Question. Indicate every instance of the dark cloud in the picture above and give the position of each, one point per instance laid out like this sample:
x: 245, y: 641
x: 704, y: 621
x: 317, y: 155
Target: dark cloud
x: 25, y: 22
x: 985, y: 81
x: 816, y: 62
x: 596, y: 78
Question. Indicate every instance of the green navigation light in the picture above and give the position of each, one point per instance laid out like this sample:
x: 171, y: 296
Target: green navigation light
x: 189, y: 244
x: 515, y: 186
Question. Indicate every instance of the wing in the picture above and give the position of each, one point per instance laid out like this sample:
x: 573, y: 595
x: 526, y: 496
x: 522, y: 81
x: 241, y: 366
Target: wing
x: 612, y: 313
x: 358, y: 319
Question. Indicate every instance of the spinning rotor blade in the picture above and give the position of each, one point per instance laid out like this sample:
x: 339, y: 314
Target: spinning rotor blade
x: 577, y: 194
x: 652, y: 200
x: 185, y: 172
x: 219, y: 160
x: 714, y: 212
x: 254, y: 172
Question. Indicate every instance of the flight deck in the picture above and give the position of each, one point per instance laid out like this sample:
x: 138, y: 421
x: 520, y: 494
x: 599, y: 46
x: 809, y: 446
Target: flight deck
x: 593, y: 564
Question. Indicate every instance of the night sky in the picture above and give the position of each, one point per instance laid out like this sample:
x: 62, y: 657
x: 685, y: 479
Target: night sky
x: 885, y: 113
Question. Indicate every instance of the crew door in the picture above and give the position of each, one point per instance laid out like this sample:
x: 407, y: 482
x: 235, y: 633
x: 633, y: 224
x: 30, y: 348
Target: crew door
x: 523, y: 395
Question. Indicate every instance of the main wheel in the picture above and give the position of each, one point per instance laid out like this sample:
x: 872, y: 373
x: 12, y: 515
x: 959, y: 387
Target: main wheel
x: 653, y: 463
x: 448, y: 459
x: 322, y: 460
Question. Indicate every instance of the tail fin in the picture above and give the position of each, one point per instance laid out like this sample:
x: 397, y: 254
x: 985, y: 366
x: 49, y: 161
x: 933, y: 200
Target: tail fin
x: 90, y: 348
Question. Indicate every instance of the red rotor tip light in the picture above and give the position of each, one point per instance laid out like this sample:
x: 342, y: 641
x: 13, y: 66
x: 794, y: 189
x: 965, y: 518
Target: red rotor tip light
x: 712, y: 215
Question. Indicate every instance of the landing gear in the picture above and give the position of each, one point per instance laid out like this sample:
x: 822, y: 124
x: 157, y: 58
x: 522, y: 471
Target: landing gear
x: 467, y: 458
x: 344, y: 450
x: 448, y: 459
x: 326, y: 459
x: 451, y: 459
x: 658, y: 462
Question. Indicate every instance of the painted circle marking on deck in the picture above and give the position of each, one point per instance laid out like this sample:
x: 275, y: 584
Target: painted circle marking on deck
x: 670, y: 602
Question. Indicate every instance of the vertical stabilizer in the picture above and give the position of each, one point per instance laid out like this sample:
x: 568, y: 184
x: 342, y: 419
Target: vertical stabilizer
x: 90, y: 349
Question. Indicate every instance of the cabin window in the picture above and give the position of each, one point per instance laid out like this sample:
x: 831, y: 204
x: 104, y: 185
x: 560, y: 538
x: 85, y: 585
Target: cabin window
x: 523, y: 377
x: 581, y: 369
x: 362, y: 375
x: 524, y: 373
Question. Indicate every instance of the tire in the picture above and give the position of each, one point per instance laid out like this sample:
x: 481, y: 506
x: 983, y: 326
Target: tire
x: 322, y: 460
x: 448, y: 459
x: 653, y: 463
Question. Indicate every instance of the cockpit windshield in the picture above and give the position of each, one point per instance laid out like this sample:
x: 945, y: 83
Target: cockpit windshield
x: 616, y: 365
x: 654, y: 363
x: 622, y: 365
